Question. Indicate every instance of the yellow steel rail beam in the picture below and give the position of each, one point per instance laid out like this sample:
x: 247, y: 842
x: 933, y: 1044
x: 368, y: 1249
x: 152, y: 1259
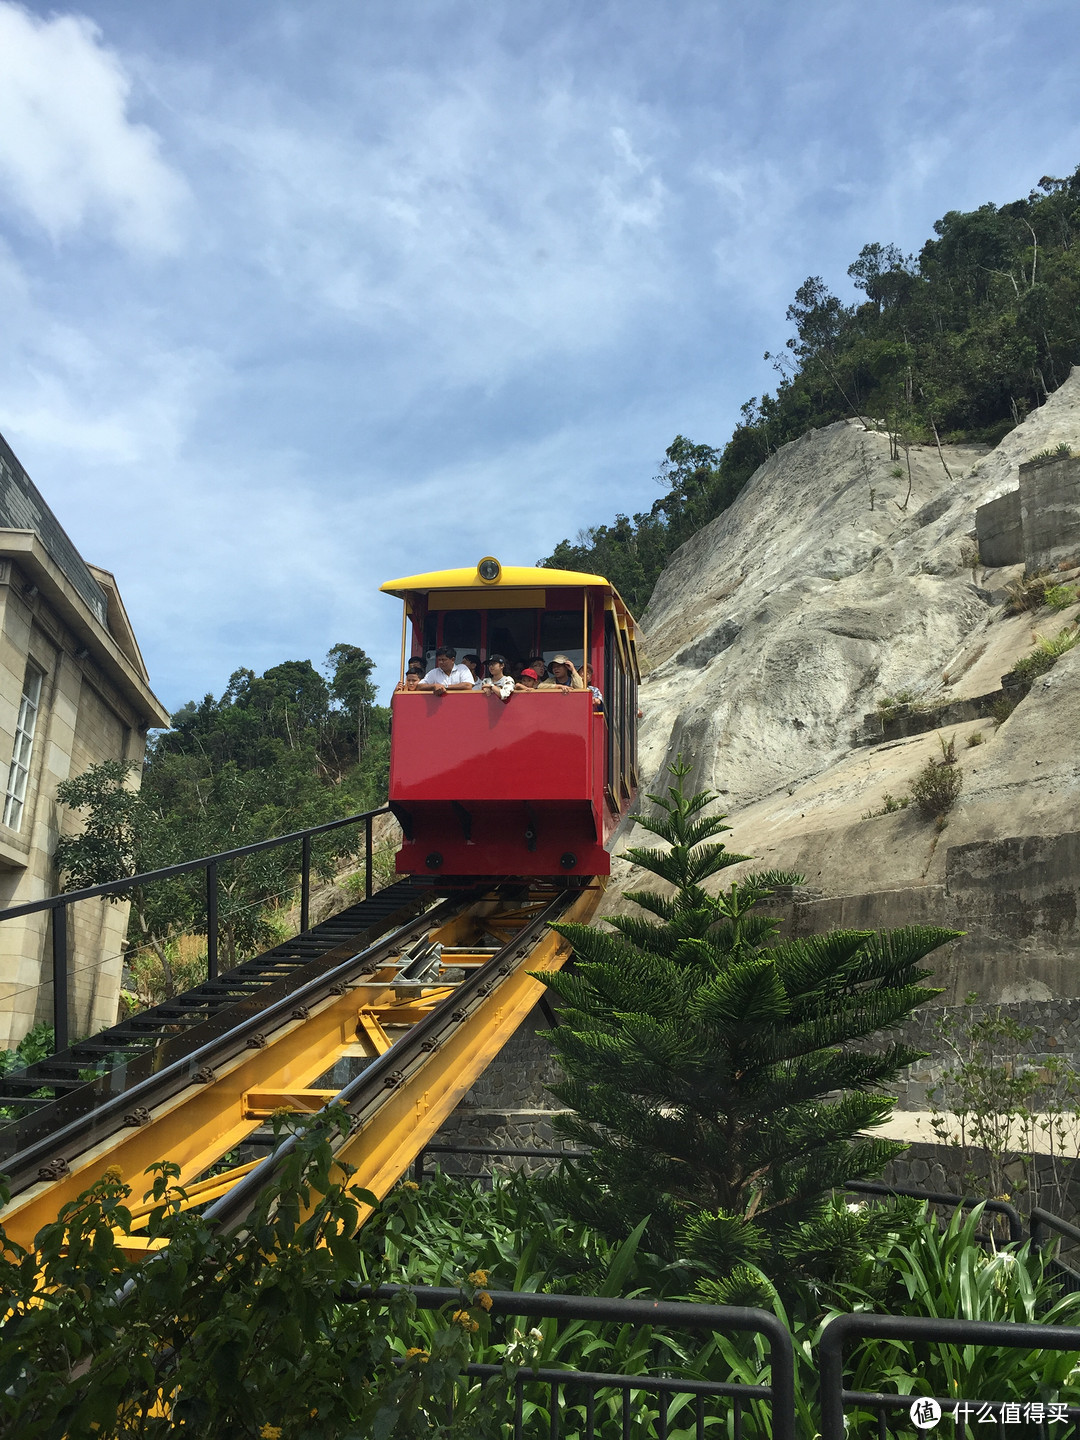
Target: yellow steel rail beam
x: 406, y: 1118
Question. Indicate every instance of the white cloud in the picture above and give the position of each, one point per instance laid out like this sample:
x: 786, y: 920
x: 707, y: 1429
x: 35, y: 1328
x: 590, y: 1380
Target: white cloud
x: 70, y: 156
x: 497, y: 217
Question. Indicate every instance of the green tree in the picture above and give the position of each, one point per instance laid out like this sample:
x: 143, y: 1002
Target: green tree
x: 122, y: 836
x: 709, y: 1064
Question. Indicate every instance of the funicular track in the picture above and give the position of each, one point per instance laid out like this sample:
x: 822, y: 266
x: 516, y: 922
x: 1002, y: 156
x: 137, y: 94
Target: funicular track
x: 420, y: 1011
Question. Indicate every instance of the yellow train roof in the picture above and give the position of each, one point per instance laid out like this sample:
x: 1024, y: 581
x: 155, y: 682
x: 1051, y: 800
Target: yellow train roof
x: 511, y: 577
x: 508, y: 577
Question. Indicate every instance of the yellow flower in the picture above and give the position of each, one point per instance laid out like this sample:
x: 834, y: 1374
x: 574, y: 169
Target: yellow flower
x: 411, y: 1185
x: 465, y: 1320
x: 478, y: 1277
x: 415, y: 1353
x: 270, y: 1432
x: 484, y: 1299
x: 113, y: 1174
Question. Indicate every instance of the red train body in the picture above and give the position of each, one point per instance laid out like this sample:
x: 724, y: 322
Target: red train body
x: 533, y: 786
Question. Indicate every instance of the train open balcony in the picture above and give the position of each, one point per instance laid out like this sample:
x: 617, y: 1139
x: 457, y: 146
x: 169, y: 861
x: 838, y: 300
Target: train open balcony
x: 487, y: 788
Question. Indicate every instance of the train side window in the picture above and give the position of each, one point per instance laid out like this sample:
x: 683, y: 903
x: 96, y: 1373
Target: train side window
x: 511, y: 633
x: 562, y: 632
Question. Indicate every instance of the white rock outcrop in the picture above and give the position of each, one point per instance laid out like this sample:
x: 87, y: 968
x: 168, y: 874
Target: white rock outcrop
x: 824, y: 588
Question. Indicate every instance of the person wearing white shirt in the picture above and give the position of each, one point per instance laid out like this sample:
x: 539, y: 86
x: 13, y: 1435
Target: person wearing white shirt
x: 497, y: 681
x: 447, y: 674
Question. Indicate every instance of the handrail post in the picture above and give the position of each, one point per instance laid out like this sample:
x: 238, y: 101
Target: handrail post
x: 211, y: 921
x: 367, y: 860
x: 305, y: 883
x: 61, y: 1036
x: 418, y: 1168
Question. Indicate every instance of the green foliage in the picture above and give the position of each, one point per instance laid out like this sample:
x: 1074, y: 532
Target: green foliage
x: 958, y: 343
x: 937, y: 786
x: 890, y: 1257
x: 1047, y: 651
x: 707, y: 1062
x: 276, y: 753
x: 1056, y: 452
x: 999, y: 1110
x: 890, y: 805
x: 220, y: 1335
x: 1060, y: 597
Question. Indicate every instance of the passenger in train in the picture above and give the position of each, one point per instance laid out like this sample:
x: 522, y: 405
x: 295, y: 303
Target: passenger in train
x: 539, y: 669
x: 598, y: 699
x: 496, y: 682
x: 473, y: 663
x: 564, y: 675
x: 414, y: 675
x: 447, y: 674
x: 529, y: 679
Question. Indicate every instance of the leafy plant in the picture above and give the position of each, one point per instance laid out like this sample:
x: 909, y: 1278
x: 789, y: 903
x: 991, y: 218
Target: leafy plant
x: 890, y: 805
x: 1056, y: 452
x: 937, y: 786
x: 704, y: 1060
x: 1060, y: 597
x: 976, y: 738
x: 1047, y: 652
x: 220, y: 1335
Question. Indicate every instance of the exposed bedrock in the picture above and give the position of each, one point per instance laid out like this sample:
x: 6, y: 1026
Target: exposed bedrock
x: 840, y: 579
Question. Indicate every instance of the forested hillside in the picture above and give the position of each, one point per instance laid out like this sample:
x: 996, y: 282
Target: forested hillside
x: 275, y: 753
x: 957, y: 343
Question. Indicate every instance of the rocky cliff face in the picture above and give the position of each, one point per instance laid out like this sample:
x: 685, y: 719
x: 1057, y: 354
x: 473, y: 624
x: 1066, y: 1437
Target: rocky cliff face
x: 837, y: 579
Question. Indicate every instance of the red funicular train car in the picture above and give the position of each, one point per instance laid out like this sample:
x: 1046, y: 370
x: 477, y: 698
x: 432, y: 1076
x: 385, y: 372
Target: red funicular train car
x: 533, y: 786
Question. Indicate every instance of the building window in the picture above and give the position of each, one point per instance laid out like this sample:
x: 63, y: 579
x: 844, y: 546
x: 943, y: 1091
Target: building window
x: 19, y: 773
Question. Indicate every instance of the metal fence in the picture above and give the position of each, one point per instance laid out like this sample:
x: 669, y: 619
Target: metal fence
x: 550, y: 1403
x: 849, y: 1413
x: 59, y: 904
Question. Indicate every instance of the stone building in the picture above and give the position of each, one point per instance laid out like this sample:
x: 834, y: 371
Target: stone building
x: 73, y: 691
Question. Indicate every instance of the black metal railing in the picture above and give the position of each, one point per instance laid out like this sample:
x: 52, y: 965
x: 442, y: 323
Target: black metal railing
x: 59, y: 904
x: 585, y: 1404
x: 898, y: 1414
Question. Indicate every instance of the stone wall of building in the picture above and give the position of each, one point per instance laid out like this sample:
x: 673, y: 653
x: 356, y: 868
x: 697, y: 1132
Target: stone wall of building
x: 57, y: 622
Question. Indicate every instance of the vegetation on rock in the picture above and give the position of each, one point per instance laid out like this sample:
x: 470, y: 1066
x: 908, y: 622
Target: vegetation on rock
x: 957, y: 343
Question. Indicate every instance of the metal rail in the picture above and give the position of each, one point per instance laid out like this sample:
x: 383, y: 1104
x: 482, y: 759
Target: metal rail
x: 400, y: 1064
x: 106, y: 1111
x: 779, y: 1392
x: 845, y: 1329
x: 113, y: 889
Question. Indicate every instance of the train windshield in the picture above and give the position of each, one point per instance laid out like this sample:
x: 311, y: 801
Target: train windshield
x: 516, y: 631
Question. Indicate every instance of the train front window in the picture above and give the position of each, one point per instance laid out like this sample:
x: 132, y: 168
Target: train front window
x: 562, y: 632
x: 461, y: 630
x: 512, y: 633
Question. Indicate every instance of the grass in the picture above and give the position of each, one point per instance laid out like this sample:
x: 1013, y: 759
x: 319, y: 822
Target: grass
x: 1060, y: 597
x: 891, y: 804
x: 1056, y: 452
x: 1046, y: 653
x: 975, y: 738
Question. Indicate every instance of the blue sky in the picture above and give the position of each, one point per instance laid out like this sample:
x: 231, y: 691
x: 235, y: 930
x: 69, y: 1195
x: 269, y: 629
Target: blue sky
x: 298, y: 297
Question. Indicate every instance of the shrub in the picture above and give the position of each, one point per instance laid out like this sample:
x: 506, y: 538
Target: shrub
x: 706, y: 1060
x: 938, y: 783
x: 219, y: 1335
x: 1002, y: 708
x: 974, y: 739
x: 1046, y: 654
x: 1060, y: 597
x: 1027, y: 593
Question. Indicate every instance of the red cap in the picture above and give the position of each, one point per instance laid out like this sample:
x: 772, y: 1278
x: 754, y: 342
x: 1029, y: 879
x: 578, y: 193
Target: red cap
x: 531, y: 674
